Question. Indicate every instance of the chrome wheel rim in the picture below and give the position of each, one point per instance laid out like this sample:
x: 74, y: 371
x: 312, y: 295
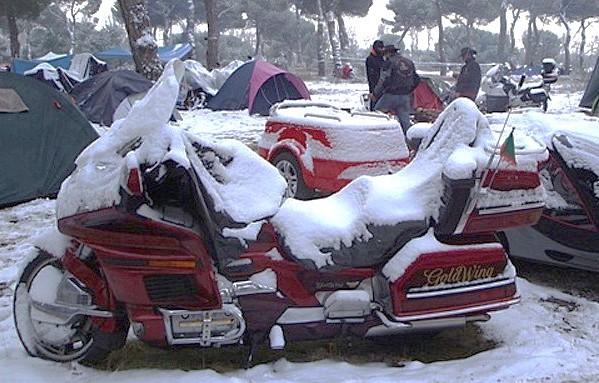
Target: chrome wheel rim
x: 290, y: 174
x: 42, y: 333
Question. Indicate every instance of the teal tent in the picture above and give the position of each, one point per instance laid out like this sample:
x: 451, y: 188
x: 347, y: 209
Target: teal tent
x: 57, y: 61
x: 179, y: 51
x: 41, y: 134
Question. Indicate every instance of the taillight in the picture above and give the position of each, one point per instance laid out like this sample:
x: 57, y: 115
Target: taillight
x: 504, y: 180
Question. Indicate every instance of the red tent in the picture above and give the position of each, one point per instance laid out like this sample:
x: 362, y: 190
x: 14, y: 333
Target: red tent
x: 426, y: 96
x: 257, y: 85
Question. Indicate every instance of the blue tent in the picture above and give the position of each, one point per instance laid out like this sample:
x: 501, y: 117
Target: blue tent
x: 180, y: 51
x: 20, y: 66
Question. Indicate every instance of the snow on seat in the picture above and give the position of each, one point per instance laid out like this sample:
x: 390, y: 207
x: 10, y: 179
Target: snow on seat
x: 370, y: 210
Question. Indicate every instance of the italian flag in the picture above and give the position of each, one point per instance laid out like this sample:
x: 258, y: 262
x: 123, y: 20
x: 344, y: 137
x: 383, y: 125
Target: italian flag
x: 507, y: 151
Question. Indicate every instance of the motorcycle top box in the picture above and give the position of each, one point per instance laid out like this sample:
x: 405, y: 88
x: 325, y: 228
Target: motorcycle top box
x: 191, y: 242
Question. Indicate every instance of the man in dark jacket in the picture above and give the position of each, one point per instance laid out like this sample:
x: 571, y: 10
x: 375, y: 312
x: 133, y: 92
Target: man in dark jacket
x: 470, y: 75
x: 374, y: 64
x: 396, y: 84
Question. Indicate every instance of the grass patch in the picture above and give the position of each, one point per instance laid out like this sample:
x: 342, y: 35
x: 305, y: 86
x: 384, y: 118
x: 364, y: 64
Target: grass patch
x: 393, y: 351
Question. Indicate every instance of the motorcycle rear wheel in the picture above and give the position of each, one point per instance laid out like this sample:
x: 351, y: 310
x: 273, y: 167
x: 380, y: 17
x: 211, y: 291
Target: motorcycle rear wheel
x: 41, y: 337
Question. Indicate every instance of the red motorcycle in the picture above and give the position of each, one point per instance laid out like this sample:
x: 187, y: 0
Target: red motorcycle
x: 175, y: 240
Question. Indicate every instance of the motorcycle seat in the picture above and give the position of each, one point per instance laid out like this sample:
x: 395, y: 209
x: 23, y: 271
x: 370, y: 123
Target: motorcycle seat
x: 386, y: 241
x: 372, y: 217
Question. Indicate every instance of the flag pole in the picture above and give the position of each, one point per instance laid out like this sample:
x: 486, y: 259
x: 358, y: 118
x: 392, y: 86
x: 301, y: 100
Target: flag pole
x: 492, y: 157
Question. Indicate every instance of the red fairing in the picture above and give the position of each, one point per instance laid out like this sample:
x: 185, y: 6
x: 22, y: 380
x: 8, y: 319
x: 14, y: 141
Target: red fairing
x: 103, y: 296
x: 142, y: 257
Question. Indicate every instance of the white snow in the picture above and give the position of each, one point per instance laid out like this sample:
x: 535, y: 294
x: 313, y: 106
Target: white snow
x: 549, y: 337
x: 455, y: 147
x: 334, y: 134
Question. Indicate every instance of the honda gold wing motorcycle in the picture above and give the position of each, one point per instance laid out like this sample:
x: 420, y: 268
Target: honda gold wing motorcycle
x: 189, y: 242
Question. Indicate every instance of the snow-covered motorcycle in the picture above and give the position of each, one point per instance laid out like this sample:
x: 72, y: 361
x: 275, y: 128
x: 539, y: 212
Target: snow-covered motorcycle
x: 189, y: 242
x: 500, y: 91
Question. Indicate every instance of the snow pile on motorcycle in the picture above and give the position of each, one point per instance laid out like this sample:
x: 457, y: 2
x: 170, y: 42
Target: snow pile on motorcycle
x: 186, y: 240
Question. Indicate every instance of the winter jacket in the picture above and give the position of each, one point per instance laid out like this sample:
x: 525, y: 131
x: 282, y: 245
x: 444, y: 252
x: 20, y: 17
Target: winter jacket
x: 399, y: 76
x: 374, y: 64
x: 469, y: 79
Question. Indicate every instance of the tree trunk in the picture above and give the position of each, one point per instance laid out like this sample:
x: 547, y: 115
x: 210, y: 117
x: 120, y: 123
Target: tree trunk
x: 441, y: 43
x: 213, y: 33
x: 15, y: 47
x: 528, y: 42
x: 583, y: 41
x: 190, y: 27
x: 166, y: 32
x: 515, y: 17
x: 258, y: 41
x: 143, y: 45
x: 567, y: 39
x: 501, y: 56
x: 299, y: 53
x: 71, y: 25
x: 343, y: 37
x: 330, y: 18
x: 320, y: 40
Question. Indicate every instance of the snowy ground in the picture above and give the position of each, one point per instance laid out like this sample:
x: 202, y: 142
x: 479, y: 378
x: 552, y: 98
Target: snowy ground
x: 548, y: 337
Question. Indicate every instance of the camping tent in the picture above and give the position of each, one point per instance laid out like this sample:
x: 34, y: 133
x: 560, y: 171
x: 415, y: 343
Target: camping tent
x: 257, y: 85
x: 58, y: 61
x: 590, y: 98
x: 165, y: 54
x: 99, y: 96
x: 428, y: 93
x: 41, y: 134
x: 57, y: 78
x: 198, y: 77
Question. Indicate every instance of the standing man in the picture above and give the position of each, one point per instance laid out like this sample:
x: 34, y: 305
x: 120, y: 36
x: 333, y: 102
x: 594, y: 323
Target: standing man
x: 374, y: 64
x: 395, y: 86
x: 470, y: 75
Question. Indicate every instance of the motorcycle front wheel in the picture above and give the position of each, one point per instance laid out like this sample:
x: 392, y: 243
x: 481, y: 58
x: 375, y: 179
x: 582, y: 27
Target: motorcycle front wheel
x: 54, y: 336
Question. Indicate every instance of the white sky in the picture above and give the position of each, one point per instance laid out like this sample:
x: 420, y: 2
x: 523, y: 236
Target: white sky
x: 366, y: 28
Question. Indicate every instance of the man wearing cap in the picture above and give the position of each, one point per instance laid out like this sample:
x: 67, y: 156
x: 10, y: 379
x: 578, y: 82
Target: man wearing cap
x: 470, y: 75
x: 374, y: 64
x: 395, y: 86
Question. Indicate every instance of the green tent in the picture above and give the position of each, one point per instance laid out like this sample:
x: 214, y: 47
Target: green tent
x: 590, y: 98
x: 41, y: 134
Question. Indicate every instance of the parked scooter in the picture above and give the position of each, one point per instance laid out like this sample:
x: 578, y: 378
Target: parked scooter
x: 501, y: 92
x: 186, y: 241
